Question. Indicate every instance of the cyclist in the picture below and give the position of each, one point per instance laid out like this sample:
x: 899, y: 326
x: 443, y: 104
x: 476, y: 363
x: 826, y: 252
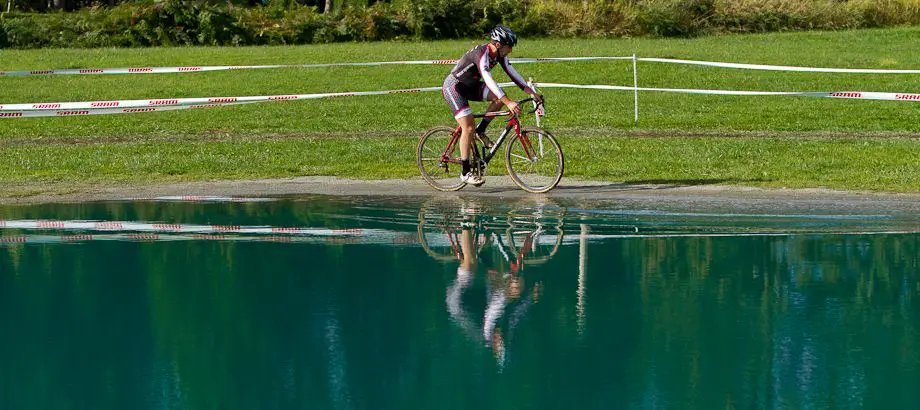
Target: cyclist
x: 507, y: 302
x: 471, y: 80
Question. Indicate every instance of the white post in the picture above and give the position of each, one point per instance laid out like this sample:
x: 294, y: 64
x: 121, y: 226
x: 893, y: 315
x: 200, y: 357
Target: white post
x: 582, y: 272
x: 9, y: 5
x: 538, y: 112
x: 635, y: 90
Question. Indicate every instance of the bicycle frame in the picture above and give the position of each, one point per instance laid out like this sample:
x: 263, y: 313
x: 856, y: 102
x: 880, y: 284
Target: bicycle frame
x: 513, y: 123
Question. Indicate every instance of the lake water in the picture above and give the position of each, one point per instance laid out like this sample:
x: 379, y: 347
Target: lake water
x: 377, y: 303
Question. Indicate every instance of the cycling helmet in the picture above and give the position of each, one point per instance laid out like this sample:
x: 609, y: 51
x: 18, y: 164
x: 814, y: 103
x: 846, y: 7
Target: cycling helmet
x: 503, y: 35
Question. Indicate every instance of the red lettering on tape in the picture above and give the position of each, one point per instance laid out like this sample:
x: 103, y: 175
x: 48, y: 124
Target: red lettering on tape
x: 208, y: 237
x: 13, y: 239
x: 280, y: 229
x: 225, y: 228
x: 74, y: 238
x: 204, y: 105
x: 144, y: 236
x: 282, y: 97
x: 846, y: 95
x: 168, y: 227
x: 10, y: 114
x: 109, y: 225
x: 184, y: 69
x: 140, y: 70
x: 444, y: 62
x: 104, y: 104
x: 41, y: 72
x: 350, y: 231
x: 129, y: 110
x: 163, y: 102
x: 46, y: 105
x: 50, y: 224
x: 404, y: 91
x: 907, y: 96
x: 62, y: 113
x: 90, y: 70
x: 222, y: 99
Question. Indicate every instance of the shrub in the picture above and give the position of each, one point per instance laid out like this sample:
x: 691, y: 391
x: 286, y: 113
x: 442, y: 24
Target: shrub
x: 192, y: 22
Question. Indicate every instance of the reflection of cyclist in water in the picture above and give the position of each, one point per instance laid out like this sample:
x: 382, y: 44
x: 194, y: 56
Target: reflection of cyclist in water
x: 506, y: 303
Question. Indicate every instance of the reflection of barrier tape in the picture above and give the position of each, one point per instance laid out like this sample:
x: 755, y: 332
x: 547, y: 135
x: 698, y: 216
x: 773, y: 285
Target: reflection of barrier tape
x: 200, y: 198
x: 139, y: 106
x: 387, y: 238
x: 180, y: 228
x: 200, y: 69
x: 139, y: 231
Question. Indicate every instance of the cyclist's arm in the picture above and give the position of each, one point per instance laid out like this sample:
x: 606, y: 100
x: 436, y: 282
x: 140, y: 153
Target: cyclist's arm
x: 519, y: 80
x: 515, y: 76
x: 486, y: 73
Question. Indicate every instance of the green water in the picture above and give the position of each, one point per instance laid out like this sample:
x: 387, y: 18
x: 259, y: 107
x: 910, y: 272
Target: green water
x: 349, y: 304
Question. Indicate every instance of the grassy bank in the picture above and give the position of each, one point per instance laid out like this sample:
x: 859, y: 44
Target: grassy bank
x: 755, y: 141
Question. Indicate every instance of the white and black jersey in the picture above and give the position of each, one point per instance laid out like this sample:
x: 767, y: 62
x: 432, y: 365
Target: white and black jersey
x: 471, y: 79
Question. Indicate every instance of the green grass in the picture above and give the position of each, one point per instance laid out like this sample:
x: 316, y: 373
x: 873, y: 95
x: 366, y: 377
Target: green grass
x: 860, y: 164
x: 775, y: 141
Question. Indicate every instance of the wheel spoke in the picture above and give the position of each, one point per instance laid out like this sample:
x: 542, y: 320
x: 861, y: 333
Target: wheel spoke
x: 430, y: 154
x: 540, y: 171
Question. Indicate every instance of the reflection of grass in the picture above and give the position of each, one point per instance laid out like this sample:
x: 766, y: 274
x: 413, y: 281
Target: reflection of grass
x: 374, y: 137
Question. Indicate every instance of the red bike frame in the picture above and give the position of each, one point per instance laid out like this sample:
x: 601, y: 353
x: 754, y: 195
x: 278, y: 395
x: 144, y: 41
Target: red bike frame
x: 513, y: 123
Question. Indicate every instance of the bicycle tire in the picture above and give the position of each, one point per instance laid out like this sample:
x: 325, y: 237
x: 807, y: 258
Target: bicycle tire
x: 434, y: 170
x: 522, y: 169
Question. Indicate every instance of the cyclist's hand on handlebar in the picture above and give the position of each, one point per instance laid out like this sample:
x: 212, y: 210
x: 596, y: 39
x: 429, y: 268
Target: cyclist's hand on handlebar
x: 513, y: 107
x: 538, y: 98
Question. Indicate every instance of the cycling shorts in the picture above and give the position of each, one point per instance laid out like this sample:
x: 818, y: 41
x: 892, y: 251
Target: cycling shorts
x: 458, y: 95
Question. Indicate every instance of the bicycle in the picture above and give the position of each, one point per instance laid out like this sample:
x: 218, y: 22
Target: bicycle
x: 536, y: 168
x: 523, y: 237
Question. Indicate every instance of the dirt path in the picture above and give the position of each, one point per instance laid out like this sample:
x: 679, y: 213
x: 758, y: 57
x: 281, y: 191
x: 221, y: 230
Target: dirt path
x: 570, y: 192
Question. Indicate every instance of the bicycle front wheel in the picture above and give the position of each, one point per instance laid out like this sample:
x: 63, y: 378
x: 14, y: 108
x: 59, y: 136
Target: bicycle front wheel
x: 438, y: 163
x: 534, y: 160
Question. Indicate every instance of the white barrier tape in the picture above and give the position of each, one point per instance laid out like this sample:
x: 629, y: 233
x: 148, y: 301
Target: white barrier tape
x: 767, y: 67
x: 199, y: 69
x: 102, y: 111
x: 853, y: 95
x: 139, y: 106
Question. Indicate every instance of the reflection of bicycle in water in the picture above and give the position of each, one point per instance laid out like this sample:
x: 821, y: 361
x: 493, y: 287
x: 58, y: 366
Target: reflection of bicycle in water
x: 527, y: 236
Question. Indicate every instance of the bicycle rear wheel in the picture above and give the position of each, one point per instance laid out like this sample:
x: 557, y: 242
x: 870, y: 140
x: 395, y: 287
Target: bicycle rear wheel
x: 534, y: 160
x: 439, y: 167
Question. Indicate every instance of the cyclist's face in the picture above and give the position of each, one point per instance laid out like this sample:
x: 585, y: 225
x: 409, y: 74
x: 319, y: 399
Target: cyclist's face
x: 504, y: 50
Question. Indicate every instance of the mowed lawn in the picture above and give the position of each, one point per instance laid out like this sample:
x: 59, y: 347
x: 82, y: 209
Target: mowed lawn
x: 680, y: 139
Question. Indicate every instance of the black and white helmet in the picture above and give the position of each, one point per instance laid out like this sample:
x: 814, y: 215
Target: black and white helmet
x: 503, y: 35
